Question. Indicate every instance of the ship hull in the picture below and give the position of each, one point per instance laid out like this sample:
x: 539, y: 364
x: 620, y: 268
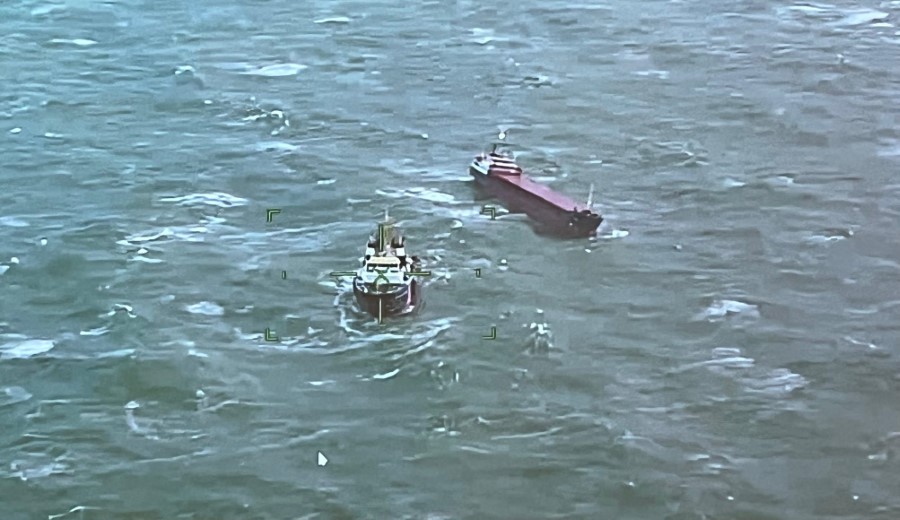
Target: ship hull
x: 549, y: 217
x: 388, y: 300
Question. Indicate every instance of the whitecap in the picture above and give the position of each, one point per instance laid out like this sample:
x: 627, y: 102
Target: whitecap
x: 275, y: 146
x: 166, y: 232
x: 659, y: 74
x: 326, y: 181
x: 206, y: 309
x: 25, y: 349
x: 862, y: 17
x: 121, y: 353
x: 333, y: 19
x: 218, y: 199
x: 778, y: 381
x: 722, y: 308
x: 46, y: 9
x: 129, y: 310
x: 387, y: 375
x: 434, y: 196
x: 15, y: 130
x: 278, y: 70
x: 616, y: 233
x: 99, y: 331
x: 12, y: 222
x: 14, y: 394
x: 3, y: 268
x: 819, y: 239
x: 145, y: 260
x: 731, y: 183
x: 80, y: 42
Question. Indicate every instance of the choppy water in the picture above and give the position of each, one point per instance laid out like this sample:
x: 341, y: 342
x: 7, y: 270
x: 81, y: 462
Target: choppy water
x: 727, y: 348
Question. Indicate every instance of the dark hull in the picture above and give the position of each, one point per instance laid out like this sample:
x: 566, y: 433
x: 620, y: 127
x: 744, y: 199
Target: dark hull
x: 549, y: 216
x: 392, y: 300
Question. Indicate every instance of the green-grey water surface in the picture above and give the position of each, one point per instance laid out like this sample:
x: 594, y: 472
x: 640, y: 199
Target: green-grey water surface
x: 725, y: 348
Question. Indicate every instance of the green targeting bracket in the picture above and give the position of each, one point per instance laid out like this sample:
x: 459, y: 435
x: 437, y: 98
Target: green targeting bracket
x: 270, y: 336
x: 492, y: 335
x: 489, y: 210
x: 270, y: 214
x: 477, y: 272
x: 343, y: 273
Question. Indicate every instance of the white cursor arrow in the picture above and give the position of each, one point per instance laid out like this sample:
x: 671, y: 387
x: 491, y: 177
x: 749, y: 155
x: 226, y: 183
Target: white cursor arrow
x: 321, y: 459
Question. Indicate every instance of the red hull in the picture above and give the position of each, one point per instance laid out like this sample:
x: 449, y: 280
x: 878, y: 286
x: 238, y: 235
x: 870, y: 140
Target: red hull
x: 554, y: 212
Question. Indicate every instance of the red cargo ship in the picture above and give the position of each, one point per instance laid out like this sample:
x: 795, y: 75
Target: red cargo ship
x: 498, y: 174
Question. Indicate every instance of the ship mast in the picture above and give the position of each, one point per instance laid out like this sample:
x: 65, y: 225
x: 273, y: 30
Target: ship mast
x: 385, y: 232
x: 590, y: 201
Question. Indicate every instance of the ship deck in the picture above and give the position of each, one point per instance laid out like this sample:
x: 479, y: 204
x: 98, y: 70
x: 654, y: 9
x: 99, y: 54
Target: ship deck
x: 524, y: 183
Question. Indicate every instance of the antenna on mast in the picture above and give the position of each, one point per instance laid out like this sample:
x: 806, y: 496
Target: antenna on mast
x: 590, y: 201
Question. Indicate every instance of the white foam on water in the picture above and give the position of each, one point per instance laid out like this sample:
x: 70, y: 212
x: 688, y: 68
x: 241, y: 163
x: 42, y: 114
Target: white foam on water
x: 3, y: 268
x: 386, y: 375
x: 137, y: 237
x: 723, y: 308
x: 80, y: 42
x: 218, y: 199
x: 146, y: 260
x: 659, y: 74
x: 206, y: 309
x: 820, y: 239
x: 333, y: 19
x: 14, y: 394
x: 431, y: 195
x: 779, y: 381
x: 12, y: 222
x: 275, y: 146
x: 861, y: 17
x: 278, y: 70
x: 99, y: 331
x: 614, y: 234
x: 25, y: 349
